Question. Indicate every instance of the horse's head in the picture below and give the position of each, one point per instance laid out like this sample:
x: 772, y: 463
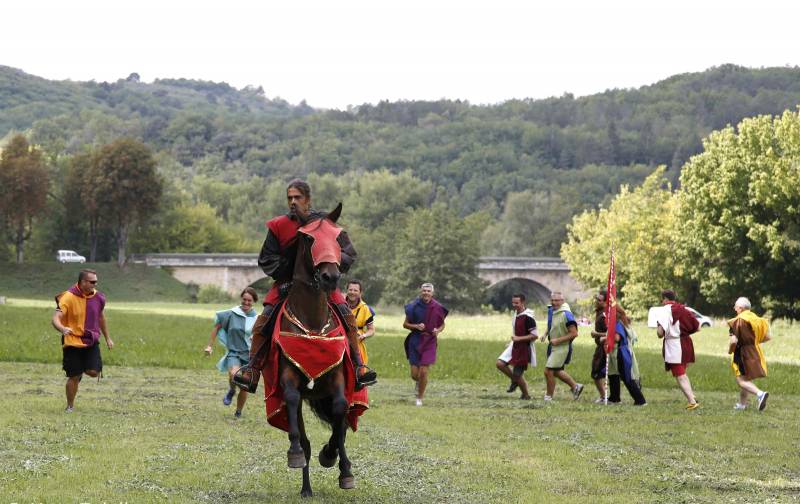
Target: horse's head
x: 321, y: 251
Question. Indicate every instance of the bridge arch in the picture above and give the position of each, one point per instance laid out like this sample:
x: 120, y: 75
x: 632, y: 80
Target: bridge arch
x: 499, y: 293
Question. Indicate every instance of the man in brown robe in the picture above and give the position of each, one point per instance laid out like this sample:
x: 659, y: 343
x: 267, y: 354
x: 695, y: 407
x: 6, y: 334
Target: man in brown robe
x: 747, y: 332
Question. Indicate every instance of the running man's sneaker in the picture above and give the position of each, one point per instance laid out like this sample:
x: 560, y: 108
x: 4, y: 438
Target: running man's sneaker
x: 692, y: 406
x: 228, y: 397
x: 511, y: 388
x: 238, y: 414
x: 739, y: 406
x: 576, y: 392
x: 762, y: 400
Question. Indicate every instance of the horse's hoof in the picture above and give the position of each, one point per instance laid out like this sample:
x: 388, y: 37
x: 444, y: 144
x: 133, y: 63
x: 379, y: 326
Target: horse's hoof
x: 296, y: 460
x: 347, y: 482
x: 306, y: 493
x: 326, y: 461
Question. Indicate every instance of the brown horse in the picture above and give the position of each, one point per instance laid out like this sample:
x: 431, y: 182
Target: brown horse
x: 308, y: 327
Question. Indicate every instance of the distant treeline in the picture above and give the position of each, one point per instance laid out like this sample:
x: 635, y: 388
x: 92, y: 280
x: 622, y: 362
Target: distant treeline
x: 520, y: 169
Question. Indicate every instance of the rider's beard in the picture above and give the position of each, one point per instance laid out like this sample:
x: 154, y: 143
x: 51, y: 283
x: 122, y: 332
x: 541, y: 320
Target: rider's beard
x: 293, y: 213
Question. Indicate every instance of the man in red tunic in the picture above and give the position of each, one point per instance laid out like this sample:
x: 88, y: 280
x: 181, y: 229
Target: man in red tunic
x: 277, y: 260
x: 676, y: 328
x: 520, y: 352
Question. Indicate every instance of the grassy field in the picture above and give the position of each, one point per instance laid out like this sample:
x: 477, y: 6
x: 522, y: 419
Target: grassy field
x: 154, y: 429
x: 134, y: 282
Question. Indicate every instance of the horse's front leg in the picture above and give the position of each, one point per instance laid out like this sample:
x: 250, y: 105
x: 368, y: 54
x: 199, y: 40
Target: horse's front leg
x: 291, y: 395
x: 306, y: 444
x: 340, y: 407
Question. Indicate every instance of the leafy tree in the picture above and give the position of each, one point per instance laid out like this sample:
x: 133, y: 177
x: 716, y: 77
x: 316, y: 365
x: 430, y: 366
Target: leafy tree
x: 532, y: 223
x: 640, y: 224
x: 437, y: 246
x: 127, y: 185
x: 378, y: 195
x: 23, y: 190
x: 740, y: 214
x: 191, y: 228
x: 82, y: 198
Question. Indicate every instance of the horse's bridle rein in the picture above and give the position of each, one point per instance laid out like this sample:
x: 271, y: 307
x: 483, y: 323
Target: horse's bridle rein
x: 324, y: 333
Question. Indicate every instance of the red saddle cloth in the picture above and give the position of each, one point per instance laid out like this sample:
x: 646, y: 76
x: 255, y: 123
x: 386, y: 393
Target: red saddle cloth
x: 313, y: 355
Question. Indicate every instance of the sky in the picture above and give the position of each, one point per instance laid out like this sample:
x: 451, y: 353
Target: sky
x: 337, y: 53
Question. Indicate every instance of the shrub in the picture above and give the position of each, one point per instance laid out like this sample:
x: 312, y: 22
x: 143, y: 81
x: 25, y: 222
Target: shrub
x: 211, y: 294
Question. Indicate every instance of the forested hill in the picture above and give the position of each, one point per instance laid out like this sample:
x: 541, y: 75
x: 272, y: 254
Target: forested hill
x: 524, y: 167
x: 658, y: 124
x: 25, y: 98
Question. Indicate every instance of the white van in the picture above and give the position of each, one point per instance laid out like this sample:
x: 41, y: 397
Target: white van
x: 69, y: 256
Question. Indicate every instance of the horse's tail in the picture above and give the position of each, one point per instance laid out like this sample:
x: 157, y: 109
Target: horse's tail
x: 323, y: 408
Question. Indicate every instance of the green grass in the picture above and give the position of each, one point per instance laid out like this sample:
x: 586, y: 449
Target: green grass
x: 162, y: 435
x: 154, y: 429
x: 135, y: 282
x: 145, y: 335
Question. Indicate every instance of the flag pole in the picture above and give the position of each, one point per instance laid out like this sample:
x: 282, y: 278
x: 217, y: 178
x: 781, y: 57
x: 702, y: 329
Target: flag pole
x: 605, y: 399
x: 611, y: 328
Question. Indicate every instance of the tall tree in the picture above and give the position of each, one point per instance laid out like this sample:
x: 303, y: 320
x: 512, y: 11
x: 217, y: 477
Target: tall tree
x: 81, y: 197
x: 439, y: 247
x: 740, y: 214
x: 23, y: 190
x: 127, y: 187
x: 640, y: 223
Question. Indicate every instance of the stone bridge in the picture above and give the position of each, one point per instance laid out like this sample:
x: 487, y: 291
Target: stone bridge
x: 233, y: 272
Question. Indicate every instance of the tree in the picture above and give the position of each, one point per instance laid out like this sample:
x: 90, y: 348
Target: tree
x: 191, y: 228
x: 127, y: 185
x: 380, y: 194
x: 23, y: 190
x: 740, y: 214
x: 81, y: 197
x: 641, y: 226
x: 532, y: 223
x: 437, y: 246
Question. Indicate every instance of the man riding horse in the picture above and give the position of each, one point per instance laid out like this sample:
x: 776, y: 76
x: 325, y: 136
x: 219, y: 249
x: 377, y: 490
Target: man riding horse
x: 277, y: 260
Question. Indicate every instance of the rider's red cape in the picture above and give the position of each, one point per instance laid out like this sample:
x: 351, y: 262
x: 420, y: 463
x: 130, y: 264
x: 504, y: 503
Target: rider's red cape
x: 313, y: 356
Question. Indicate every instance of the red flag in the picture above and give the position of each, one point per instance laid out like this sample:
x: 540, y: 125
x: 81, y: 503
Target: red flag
x: 611, y: 305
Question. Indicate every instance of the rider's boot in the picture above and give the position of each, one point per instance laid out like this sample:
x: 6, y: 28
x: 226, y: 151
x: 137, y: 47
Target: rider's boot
x: 247, y: 376
x: 364, y: 375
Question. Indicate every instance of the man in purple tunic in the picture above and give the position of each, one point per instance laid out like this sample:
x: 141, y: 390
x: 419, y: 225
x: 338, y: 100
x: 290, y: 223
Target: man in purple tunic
x: 425, y: 319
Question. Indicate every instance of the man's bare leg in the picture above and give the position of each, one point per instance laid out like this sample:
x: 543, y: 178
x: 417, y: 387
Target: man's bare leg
x: 422, y: 379
x: 523, y: 387
x: 72, y: 389
x: 600, y: 383
x: 505, y: 369
x: 566, y: 378
x: 747, y: 387
x: 551, y: 382
x: 686, y: 387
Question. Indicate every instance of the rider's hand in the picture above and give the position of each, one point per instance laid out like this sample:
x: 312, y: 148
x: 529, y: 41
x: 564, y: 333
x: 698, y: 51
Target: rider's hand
x: 421, y: 326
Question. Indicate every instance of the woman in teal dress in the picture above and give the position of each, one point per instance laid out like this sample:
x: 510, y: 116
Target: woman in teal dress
x: 234, y: 329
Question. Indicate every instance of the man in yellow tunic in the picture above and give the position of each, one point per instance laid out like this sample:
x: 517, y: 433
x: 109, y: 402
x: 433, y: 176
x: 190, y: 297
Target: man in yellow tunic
x: 364, y: 314
x: 748, y: 331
